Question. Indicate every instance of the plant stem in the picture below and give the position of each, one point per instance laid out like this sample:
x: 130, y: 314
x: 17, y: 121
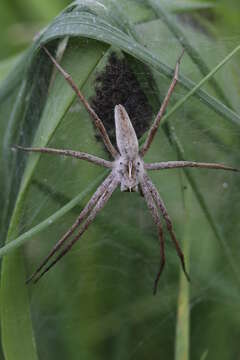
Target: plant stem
x: 182, y: 346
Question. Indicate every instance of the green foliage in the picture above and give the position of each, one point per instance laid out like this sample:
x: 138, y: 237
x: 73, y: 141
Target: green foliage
x: 97, y: 303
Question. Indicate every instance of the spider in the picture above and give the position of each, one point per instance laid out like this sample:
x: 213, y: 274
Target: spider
x: 127, y: 169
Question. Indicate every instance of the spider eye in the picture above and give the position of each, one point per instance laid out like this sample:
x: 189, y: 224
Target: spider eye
x: 138, y: 163
x: 120, y: 163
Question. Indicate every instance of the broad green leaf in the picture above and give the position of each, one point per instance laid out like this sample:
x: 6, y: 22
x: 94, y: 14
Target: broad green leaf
x: 80, y: 23
x: 15, y: 302
x: 6, y: 66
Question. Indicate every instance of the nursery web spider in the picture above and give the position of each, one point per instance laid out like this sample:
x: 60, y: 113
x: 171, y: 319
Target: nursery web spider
x: 127, y: 169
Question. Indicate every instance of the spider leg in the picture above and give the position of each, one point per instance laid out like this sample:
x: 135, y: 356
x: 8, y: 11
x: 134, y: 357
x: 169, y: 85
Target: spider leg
x: 153, y: 209
x: 155, y: 125
x: 71, y: 153
x: 168, y: 221
x: 99, y: 205
x: 91, y: 203
x: 97, y: 121
x: 183, y: 164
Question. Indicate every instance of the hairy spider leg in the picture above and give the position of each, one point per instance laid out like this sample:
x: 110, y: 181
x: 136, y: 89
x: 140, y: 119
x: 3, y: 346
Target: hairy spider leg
x: 99, y: 205
x: 153, y: 209
x: 155, y: 125
x: 184, y: 164
x: 168, y: 221
x: 71, y: 153
x: 97, y: 121
x: 84, y: 213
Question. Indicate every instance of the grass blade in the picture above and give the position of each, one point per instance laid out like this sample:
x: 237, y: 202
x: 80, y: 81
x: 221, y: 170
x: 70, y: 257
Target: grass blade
x: 200, y: 84
x: 15, y: 311
x: 22, y: 239
x: 190, y: 50
x: 184, y: 5
x: 205, y: 209
x: 88, y: 25
x: 182, y: 341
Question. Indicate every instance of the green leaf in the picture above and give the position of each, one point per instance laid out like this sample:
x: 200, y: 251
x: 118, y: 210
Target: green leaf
x: 182, y: 340
x: 180, y: 6
x: 81, y: 23
x: 193, y: 53
x: 87, y: 25
x: 14, y: 299
x: 6, y: 66
x: 201, y: 83
x: 15, y: 312
x: 28, y: 235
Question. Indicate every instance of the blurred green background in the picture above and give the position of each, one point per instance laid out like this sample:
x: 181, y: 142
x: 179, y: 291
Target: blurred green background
x: 98, y: 303
x: 21, y: 20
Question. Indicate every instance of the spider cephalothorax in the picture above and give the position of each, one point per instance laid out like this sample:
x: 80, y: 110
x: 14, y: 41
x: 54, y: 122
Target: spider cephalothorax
x: 129, y: 165
x: 127, y: 170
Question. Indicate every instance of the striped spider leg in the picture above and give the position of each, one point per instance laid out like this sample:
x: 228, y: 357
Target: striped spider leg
x: 128, y: 170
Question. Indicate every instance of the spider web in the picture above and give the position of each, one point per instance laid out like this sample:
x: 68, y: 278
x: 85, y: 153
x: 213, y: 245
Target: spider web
x: 98, y: 299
